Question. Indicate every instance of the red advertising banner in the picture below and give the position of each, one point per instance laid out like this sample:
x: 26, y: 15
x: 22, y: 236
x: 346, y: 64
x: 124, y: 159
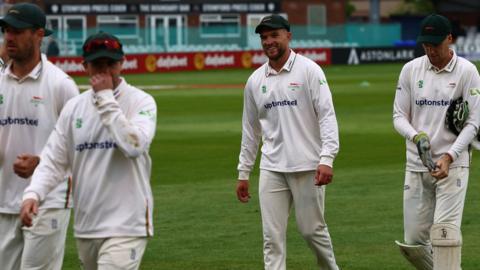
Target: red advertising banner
x: 165, y: 62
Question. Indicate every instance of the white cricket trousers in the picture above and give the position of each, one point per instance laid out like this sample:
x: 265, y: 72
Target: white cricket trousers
x: 116, y: 253
x: 39, y: 247
x: 428, y: 201
x: 277, y: 193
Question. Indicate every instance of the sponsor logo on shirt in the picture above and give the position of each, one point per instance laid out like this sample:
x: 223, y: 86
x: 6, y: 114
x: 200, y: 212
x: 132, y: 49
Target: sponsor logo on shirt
x: 282, y: 103
x: 428, y: 102
x: 474, y: 91
x: 294, y: 86
x: 452, y: 85
x: 36, y: 100
x: 95, y: 145
x: 1, y: 99
x: 78, y: 123
x: 322, y: 81
x: 149, y: 114
x: 264, y: 89
x: 420, y: 84
x: 18, y: 121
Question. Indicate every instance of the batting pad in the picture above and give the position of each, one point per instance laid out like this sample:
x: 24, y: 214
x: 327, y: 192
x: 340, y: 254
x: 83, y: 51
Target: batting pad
x: 447, y: 246
x: 419, y: 256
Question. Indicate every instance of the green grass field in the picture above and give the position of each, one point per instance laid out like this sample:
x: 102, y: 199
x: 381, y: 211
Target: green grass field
x: 199, y: 224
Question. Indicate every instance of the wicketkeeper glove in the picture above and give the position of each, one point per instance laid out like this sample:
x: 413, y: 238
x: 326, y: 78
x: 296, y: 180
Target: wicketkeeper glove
x: 423, y: 147
x: 457, y: 114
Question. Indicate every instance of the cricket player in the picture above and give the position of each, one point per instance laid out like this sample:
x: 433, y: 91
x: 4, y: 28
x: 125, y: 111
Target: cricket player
x: 438, y: 161
x: 287, y: 103
x: 33, y: 92
x: 103, y: 135
x: 3, y: 57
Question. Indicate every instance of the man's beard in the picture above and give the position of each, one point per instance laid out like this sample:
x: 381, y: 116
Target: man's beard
x: 22, y: 56
x: 281, y: 52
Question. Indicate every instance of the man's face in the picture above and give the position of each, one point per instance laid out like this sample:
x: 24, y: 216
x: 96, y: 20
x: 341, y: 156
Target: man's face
x: 104, y: 65
x: 439, y: 55
x: 275, y: 42
x: 21, y: 43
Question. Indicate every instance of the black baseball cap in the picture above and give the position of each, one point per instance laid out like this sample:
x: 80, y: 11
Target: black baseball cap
x: 25, y: 15
x: 273, y: 21
x: 100, y: 45
x: 434, y: 29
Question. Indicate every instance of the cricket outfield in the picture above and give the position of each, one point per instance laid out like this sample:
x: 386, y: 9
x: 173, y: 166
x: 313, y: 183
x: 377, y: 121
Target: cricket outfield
x: 199, y: 224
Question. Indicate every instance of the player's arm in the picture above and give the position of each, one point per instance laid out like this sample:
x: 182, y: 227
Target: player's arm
x: 327, y: 121
x: 402, y: 117
x: 471, y: 94
x: 402, y: 106
x: 51, y: 170
x: 134, y: 134
x: 251, y: 133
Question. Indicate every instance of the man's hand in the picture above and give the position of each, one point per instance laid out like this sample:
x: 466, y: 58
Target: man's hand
x: 443, y: 165
x: 25, y: 164
x: 324, y: 175
x: 242, y: 191
x: 101, y: 81
x: 423, y: 147
x: 29, y: 209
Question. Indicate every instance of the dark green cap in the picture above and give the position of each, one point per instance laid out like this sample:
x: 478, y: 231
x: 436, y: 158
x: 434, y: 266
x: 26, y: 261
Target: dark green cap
x: 25, y: 15
x: 101, y: 45
x: 273, y: 21
x: 434, y: 29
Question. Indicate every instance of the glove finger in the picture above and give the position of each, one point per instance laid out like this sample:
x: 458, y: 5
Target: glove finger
x: 430, y: 164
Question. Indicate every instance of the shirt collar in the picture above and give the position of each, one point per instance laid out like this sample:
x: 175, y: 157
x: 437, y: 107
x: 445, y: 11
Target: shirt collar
x: 448, y: 68
x: 287, y: 66
x: 34, y: 74
x: 118, y: 90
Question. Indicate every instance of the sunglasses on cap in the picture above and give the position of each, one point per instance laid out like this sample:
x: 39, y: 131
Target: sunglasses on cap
x: 102, y: 44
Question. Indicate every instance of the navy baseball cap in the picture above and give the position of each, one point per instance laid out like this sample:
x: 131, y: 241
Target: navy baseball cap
x: 434, y: 29
x: 273, y: 21
x: 24, y: 16
x: 100, y: 45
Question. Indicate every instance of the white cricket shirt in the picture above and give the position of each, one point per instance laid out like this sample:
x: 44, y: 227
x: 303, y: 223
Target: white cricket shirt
x: 421, y: 101
x: 292, y: 112
x: 104, y: 139
x: 29, y: 109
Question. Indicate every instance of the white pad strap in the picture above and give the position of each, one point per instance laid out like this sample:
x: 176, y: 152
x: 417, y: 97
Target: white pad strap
x: 447, y: 246
x: 419, y: 256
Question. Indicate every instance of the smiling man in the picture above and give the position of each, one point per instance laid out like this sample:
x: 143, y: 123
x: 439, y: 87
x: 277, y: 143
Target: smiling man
x: 288, y: 103
x: 438, y: 159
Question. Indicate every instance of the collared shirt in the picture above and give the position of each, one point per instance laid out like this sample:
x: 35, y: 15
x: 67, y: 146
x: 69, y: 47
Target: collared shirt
x: 34, y: 74
x: 423, y: 96
x: 447, y: 68
x: 292, y: 112
x: 286, y: 67
x: 29, y: 109
x: 104, y: 140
